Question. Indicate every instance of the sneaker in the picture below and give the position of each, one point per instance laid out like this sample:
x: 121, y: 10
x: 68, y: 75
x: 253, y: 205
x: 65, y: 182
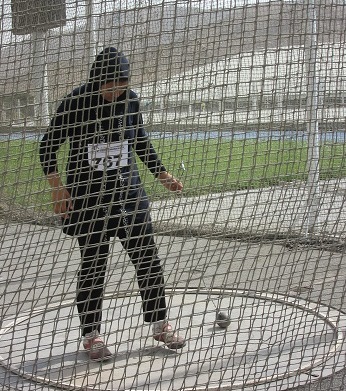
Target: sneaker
x: 95, y: 347
x: 170, y: 338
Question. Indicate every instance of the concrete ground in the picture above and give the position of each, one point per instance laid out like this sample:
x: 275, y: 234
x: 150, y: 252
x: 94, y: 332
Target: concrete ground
x: 284, y: 294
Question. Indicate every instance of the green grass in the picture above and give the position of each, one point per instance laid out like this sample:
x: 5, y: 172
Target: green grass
x: 211, y: 166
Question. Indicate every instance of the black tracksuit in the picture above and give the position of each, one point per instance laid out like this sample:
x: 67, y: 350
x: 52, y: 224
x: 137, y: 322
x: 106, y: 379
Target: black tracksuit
x: 106, y: 191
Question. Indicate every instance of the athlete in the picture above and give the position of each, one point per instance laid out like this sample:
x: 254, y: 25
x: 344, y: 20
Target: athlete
x: 103, y: 196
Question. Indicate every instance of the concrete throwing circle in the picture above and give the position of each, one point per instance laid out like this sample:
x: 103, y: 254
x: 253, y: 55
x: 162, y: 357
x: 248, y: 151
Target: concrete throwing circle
x: 271, y: 340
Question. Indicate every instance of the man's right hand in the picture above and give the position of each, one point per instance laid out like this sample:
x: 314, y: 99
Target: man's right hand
x: 62, y: 202
x: 61, y: 198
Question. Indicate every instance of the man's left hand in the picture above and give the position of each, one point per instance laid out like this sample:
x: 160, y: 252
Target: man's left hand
x: 169, y: 182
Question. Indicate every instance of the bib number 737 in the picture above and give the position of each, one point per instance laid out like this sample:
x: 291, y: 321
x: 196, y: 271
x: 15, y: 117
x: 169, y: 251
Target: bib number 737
x: 108, y: 156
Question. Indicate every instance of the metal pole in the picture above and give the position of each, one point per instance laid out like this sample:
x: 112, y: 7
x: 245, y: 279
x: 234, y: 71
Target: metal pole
x: 313, y: 168
x: 90, y: 35
x: 40, y: 78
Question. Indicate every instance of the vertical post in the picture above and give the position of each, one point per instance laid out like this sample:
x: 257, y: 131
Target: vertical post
x: 40, y: 78
x: 312, y: 120
x: 90, y: 36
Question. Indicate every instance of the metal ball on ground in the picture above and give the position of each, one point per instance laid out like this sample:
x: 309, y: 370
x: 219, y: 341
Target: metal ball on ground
x: 222, y: 320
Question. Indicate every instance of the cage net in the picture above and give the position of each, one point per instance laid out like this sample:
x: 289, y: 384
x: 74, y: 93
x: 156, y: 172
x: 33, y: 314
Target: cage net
x: 241, y: 103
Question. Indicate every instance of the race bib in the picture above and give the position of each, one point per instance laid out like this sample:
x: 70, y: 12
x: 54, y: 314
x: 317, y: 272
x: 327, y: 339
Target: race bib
x: 108, y: 156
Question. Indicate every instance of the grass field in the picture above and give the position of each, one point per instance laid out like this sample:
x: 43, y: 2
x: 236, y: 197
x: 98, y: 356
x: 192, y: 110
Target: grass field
x: 212, y: 166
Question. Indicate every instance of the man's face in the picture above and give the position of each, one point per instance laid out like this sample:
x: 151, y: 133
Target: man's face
x: 113, y: 89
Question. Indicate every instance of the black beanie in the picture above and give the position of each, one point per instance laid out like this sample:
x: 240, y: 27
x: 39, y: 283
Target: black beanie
x: 110, y: 65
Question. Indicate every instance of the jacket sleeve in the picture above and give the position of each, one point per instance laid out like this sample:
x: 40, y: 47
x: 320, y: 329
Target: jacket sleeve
x: 54, y: 137
x: 144, y: 147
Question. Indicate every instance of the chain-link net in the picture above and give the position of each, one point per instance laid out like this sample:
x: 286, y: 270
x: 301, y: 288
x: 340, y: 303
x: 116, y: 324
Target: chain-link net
x: 194, y: 155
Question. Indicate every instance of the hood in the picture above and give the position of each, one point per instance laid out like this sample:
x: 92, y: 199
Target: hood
x: 109, y: 65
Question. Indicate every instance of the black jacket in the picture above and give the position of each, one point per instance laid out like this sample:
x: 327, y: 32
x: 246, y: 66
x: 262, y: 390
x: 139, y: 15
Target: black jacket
x: 84, y: 119
x: 78, y: 118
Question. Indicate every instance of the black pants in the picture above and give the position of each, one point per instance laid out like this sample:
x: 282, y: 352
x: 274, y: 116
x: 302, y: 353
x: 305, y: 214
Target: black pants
x: 137, y: 240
